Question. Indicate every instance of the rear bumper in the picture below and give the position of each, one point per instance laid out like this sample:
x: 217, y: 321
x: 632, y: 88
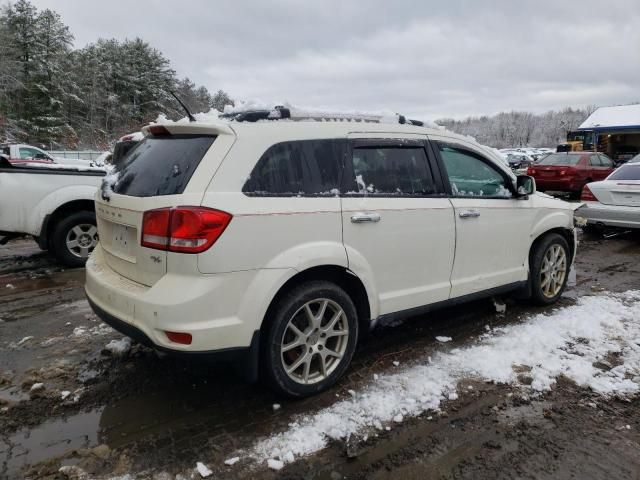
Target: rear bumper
x: 220, y: 311
x: 560, y: 184
x: 598, y: 213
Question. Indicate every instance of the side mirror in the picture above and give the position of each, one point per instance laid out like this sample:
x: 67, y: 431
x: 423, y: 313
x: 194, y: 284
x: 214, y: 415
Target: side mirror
x: 525, y: 185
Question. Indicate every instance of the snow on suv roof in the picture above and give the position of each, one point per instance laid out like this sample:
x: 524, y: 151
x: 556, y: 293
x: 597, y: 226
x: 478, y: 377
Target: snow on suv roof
x: 295, y: 122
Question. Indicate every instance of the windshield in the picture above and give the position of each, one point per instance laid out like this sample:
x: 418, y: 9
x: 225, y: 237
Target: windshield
x: 560, y: 159
x: 626, y: 172
x: 160, y: 165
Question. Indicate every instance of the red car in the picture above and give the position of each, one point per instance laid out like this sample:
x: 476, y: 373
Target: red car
x: 570, y: 171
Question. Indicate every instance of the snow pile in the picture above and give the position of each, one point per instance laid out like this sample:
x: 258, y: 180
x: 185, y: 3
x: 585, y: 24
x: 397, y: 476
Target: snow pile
x: 119, y: 347
x: 108, y: 182
x: 297, y: 112
x: 211, y: 117
x: 203, y: 470
x: 566, y: 342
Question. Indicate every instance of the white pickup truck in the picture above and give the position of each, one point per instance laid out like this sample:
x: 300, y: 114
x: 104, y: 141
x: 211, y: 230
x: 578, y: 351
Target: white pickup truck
x: 54, y: 204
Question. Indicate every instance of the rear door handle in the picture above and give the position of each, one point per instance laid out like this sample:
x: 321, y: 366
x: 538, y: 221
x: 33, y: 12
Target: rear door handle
x: 469, y: 214
x: 364, y: 217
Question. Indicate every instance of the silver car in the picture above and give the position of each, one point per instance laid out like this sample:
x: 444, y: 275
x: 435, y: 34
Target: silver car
x: 615, y: 201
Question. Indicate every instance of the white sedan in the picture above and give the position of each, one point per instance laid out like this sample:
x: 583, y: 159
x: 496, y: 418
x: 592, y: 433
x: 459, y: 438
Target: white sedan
x: 615, y: 201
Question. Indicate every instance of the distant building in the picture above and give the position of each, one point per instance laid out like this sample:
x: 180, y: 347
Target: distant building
x: 616, y: 130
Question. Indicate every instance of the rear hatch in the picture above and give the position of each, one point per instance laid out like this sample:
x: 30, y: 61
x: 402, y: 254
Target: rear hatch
x: 622, y: 187
x: 164, y: 170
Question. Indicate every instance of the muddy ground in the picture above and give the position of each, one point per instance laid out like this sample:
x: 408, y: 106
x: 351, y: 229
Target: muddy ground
x: 158, y: 416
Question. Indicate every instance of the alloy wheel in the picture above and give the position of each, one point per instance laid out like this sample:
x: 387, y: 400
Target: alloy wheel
x: 314, y: 341
x: 82, y: 239
x: 553, y: 271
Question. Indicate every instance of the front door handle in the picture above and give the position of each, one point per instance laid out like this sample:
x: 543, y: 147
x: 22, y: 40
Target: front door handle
x: 364, y: 217
x: 469, y: 214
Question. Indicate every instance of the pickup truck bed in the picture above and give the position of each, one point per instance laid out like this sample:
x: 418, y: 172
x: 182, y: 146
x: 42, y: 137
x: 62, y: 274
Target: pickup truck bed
x: 52, y: 204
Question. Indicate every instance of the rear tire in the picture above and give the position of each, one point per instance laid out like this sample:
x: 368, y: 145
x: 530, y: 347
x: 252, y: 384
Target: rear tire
x: 74, y: 238
x: 310, y: 339
x: 549, y: 263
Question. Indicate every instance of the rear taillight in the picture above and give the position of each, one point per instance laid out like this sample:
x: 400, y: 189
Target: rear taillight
x: 587, y: 195
x: 531, y: 171
x: 155, y: 228
x: 183, y: 229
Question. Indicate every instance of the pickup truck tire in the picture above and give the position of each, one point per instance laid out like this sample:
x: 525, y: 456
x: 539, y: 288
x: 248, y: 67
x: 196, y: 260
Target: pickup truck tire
x: 74, y: 238
x: 549, y: 264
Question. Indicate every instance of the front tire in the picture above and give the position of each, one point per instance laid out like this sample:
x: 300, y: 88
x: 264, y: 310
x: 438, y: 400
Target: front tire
x: 74, y: 238
x: 549, y: 263
x: 310, y: 339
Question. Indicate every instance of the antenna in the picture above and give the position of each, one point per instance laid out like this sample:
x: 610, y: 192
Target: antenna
x: 191, y: 117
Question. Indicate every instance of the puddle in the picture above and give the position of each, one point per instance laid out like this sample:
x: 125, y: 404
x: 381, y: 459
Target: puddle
x: 13, y: 394
x: 50, y: 439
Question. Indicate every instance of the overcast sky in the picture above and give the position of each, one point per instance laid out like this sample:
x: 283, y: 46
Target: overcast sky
x: 425, y: 59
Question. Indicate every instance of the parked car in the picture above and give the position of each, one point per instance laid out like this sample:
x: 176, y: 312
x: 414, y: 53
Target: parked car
x: 615, y: 201
x: 22, y: 154
x: 635, y: 159
x: 52, y: 203
x: 277, y: 243
x: 570, y: 171
x: 519, y: 160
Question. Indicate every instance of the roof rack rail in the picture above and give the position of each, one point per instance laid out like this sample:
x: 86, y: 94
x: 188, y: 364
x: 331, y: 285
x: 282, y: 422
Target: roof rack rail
x: 282, y: 113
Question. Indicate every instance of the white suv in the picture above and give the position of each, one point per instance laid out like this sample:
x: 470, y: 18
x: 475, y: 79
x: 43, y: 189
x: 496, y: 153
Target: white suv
x: 275, y: 243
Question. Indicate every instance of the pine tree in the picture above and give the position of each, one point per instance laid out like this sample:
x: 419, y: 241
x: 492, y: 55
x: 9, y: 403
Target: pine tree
x: 55, y: 96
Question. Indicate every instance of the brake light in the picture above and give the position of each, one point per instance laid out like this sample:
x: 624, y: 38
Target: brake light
x: 183, y: 229
x: 531, y: 171
x: 179, y: 337
x: 158, y: 130
x: 587, y: 195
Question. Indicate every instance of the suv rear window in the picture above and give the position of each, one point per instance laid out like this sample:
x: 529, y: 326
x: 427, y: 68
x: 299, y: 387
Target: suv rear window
x: 298, y: 168
x: 161, y: 165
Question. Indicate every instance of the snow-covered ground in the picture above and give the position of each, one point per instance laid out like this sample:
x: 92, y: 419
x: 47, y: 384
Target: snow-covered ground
x: 566, y: 342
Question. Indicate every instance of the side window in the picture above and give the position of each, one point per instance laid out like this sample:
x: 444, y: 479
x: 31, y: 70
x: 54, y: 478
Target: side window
x: 470, y: 176
x: 391, y: 170
x: 606, y: 161
x: 594, y: 161
x: 26, y: 153
x: 305, y: 167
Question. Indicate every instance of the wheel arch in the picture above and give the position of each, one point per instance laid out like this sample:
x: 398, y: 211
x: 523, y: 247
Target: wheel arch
x: 566, y: 233
x: 339, y: 275
x: 51, y: 220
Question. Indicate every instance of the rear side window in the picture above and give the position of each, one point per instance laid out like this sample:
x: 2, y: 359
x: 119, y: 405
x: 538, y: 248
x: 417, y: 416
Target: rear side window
x: 606, y: 161
x: 298, y: 168
x: 626, y: 172
x: 594, y: 161
x: 161, y: 165
x: 391, y: 170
